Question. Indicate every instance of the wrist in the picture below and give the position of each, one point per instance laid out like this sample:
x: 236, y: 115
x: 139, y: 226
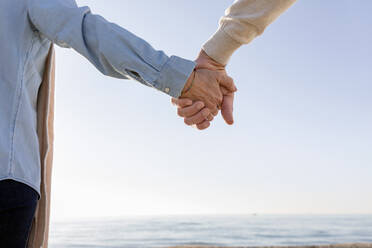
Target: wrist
x: 204, y: 61
x: 221, y: 46
x: 189, y: 83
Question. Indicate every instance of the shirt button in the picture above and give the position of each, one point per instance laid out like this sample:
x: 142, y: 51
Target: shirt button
x: 167, y: 90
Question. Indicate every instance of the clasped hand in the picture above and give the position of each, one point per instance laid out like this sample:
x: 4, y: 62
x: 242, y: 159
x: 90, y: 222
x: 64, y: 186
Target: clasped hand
x: 208, y: 90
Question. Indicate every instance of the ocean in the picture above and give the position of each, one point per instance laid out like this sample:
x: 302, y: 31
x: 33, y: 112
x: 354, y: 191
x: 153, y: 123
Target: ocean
x: 224, y: 230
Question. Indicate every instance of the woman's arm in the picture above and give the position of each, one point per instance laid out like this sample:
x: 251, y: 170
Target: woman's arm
x: 243, y: 21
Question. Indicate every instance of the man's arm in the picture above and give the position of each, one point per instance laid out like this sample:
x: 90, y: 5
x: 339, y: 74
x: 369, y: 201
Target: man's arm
x: 243, y: 21
x: 113, y: 50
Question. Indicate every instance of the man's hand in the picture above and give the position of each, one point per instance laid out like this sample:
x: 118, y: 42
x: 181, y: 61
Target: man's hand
x: 194, y: 114
x: 205, y: 85
x: 194, y: 117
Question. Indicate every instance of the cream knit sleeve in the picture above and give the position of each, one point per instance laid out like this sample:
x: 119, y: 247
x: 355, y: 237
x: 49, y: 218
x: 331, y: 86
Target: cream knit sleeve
x: 243, y: 21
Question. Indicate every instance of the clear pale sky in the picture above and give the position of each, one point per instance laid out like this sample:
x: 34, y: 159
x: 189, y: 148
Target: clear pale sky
x: 302, y: 137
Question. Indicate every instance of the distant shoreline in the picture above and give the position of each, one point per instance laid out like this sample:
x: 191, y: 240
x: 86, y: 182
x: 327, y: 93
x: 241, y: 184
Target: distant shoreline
x: 353, y: 245
x: 145, y: 216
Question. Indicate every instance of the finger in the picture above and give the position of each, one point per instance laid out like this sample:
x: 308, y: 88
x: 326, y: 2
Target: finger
x: 228, y: 83
x: 203, y: 125
x: 220, y: 100
x: 210, y: 117
x: 181, y: 102
x: 227, y: 108
x: 191, y: 110
x: 198, y: 118
x: 215, y: 111
x: 212, y: 107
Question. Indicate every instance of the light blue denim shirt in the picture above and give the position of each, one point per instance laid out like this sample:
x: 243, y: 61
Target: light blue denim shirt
x: 27, y: 28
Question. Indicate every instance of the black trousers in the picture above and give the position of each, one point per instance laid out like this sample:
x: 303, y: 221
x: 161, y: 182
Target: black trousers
x: 17, y: 208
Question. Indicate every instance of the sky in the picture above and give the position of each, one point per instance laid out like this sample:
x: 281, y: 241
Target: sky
x: 302, y: 138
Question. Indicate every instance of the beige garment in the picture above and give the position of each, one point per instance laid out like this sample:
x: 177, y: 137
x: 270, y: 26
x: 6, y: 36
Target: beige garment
x: 243, y: 21
x: 45, y: 117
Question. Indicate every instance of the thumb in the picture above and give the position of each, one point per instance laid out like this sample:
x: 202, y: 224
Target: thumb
x: 227, y: 108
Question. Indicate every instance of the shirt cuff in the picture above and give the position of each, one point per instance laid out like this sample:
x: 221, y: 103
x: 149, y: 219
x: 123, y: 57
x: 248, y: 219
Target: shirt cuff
x: 221, y: 46
x: 173, y: 76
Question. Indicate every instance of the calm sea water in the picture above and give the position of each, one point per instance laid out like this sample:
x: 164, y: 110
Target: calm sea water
x: 148, y: 232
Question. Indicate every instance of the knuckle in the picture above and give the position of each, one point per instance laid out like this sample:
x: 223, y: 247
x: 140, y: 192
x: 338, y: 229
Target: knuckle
x: 203, y: 126
x: 200, y: 127
x: 188, y: 121
x: 218, y: 99
x: 210, y: 117
x: 180, y: 112
x: 199, y: 104
x: 205, y: 113
x: 210, y: 105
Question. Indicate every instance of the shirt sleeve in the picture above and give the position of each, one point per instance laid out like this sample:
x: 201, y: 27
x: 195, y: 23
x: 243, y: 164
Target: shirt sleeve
x: 243, y: 21
x: 110, y: 48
